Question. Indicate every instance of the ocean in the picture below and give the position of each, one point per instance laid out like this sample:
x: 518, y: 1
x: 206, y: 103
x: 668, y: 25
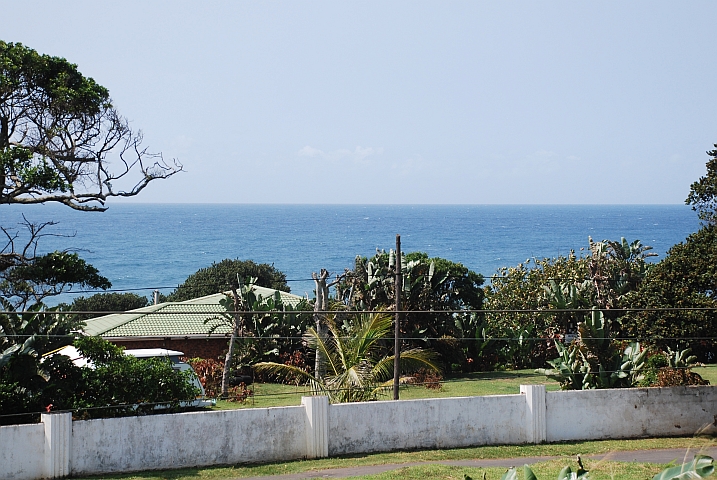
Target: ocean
x: 142, y: 247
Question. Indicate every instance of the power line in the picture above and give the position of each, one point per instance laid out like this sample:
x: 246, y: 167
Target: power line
x: 362, y: 312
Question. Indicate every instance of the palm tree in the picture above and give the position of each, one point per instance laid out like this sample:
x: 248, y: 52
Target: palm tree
x: 354, y: 373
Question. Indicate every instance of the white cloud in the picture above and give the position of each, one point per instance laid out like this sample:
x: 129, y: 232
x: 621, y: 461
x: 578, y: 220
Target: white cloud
x: 359, y: 154
x: 308, y: 151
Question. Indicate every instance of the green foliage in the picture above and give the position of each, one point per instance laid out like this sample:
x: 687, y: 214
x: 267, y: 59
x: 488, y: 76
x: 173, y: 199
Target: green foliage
x: 481, y: 351
x: 116, y: 385
x: 702, y: 466
x: 47, y: 329
x: 135, y: 385
x: 595, y: 360
x: 57, y: 128
x: 264, y: 334
x: 558, y: 286
x: 219, y: 277
x: 429, y: 285
x: 47, y: 275
x: 528, y: 287
x: 671, y: 368
x: 566, y: 473
x: 38, y: 85
x: 685, y: 278
x: 703, y: 192
x: 356, y: 369
x: 106, y: 302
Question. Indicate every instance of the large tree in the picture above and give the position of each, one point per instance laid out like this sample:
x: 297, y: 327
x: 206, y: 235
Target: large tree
x: 106, y: 302
x: 685, y: 278
x: 219, y: 277
x: 703, y: 192
x: 63, y: 141
x: 430, y: 285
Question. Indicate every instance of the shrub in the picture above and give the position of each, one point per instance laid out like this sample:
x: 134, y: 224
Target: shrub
x: 427, y: 378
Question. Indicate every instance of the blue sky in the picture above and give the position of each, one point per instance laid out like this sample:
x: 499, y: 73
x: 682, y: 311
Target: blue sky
x: 402, y: 102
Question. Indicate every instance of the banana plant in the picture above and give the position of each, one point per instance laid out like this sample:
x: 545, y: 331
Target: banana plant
x: 566, y: 296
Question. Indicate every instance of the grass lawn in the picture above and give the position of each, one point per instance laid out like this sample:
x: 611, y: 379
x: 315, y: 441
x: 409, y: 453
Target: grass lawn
x: 465, y: 385
x: 481, y: 383
x: 544, y: 470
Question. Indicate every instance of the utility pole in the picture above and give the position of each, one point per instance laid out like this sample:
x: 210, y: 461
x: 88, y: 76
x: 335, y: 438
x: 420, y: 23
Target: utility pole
x: 398, y: 284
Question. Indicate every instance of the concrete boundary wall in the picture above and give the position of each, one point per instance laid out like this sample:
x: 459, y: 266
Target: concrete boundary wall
x: 430, y: 423
x: 22, y: 451
x: 59, y: 447
x: 630, y: 413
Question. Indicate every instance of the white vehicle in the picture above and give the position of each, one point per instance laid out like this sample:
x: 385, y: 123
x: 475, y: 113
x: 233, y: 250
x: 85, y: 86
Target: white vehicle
x: 172, y: 355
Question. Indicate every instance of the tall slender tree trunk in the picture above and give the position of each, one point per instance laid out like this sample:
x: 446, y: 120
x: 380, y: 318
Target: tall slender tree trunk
x: 321, y: 305
x: 235, y: 333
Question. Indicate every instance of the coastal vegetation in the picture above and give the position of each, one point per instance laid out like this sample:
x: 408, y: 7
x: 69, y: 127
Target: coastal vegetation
x: 597, y: 316
x: 62, y: 141
x: 105, y: 302
x: 220, y: 276
x: 357, y: 370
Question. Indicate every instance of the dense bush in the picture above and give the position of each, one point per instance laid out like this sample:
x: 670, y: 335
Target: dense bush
x: 430, y: 285
x: 117, y: 384
x: 685, y: 278
x: 527, y: 338
x: 553, y: 288
x: 210, y: 375
x: 106, y: 302
x: 219, y: 277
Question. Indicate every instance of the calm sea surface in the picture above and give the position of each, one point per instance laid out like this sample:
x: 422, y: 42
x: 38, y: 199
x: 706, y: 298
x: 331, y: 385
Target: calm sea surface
x: 148, y: 246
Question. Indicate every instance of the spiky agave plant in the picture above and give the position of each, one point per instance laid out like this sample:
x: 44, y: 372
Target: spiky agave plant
x: 355, y: 370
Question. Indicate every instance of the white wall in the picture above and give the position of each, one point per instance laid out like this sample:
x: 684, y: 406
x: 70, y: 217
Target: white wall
x: 317, y: 429
x: 22, y: 451
x: 187, y: 439
x: 630, y: 412
x: 430, y: 423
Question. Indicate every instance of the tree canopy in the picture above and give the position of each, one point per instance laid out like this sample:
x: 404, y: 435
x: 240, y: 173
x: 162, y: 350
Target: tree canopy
x: 552, y: 288
x: 219, y: 277
x: 430, y: 285
x: 685, y: 278
x: 106, y: 302
x: 703, y: 192
x: 62, y: 140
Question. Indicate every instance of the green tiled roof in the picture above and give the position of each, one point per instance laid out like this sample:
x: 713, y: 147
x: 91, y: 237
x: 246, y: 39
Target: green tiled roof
x: 173, y: 319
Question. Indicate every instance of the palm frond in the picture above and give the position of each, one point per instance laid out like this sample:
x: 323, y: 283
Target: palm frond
x: 410, y: 361
x: 285, y: 371
x: 352, y: 375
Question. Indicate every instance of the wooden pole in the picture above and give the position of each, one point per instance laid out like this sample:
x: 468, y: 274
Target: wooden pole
x: 398, y: 284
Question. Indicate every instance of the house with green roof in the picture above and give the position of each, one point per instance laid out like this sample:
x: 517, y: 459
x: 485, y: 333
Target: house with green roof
x: 193, y: 326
